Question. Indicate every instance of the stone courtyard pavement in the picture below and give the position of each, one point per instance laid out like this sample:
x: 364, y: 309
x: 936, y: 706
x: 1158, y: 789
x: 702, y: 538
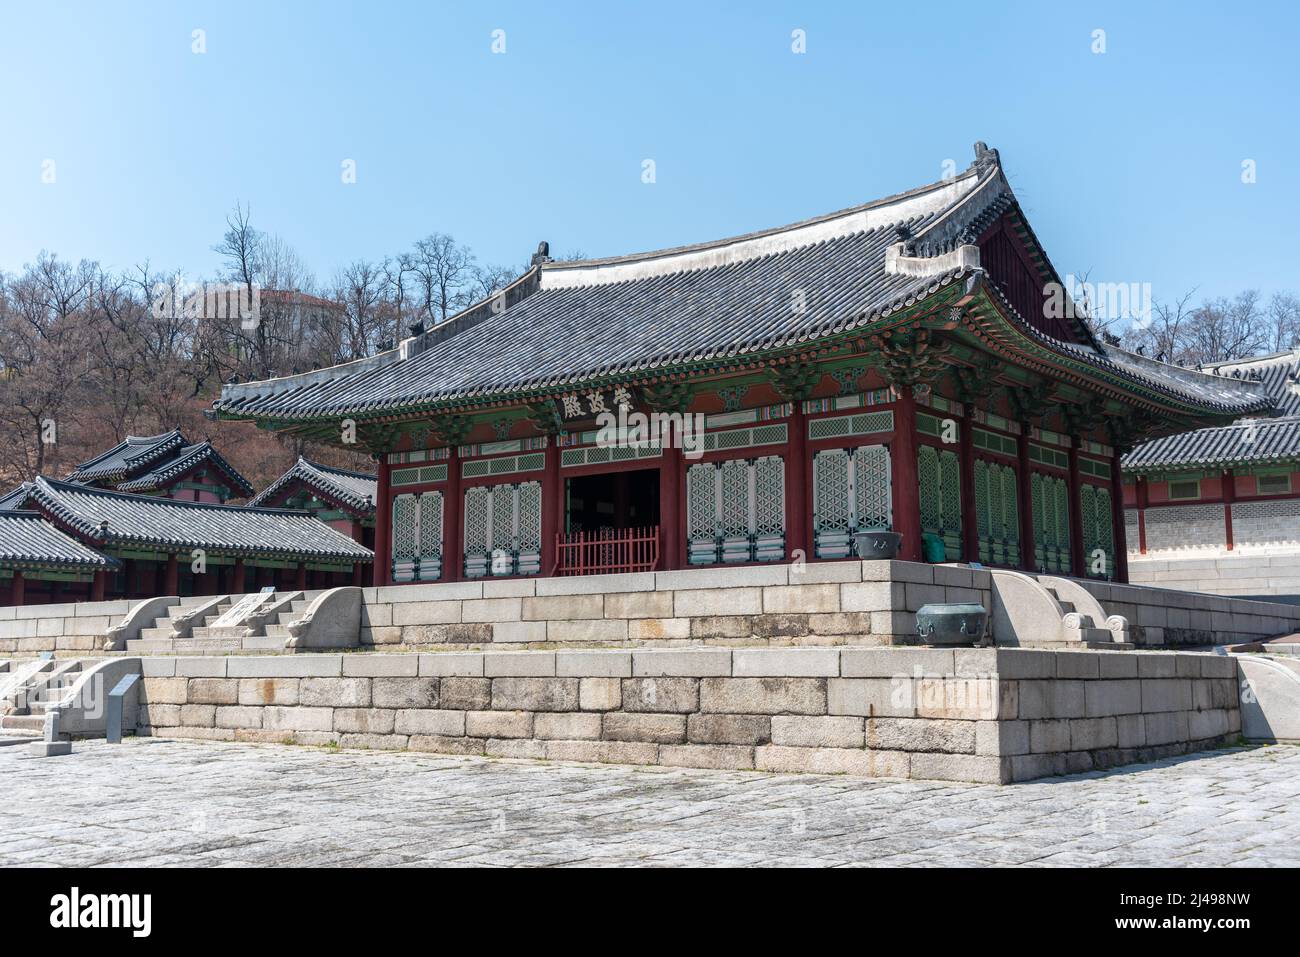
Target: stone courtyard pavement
x: 152, y: 802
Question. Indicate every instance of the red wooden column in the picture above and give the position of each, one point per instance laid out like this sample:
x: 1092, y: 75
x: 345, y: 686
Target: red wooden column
x: 552, y: 503
x: 1140, y: 495
x: 797, y: 523
x: 1077, y: 557
x: 171, y: 579
x: 907, y: 493
x: 1229, y: 496
x: 670, y: 510
x: 383, y: 523
x: 453, y: 520
x: 237, y: 585
x: 19, y: 588
x: 97, y: 586
x: 1026, y: 503
x: 970, y: 539
x: 1117, y: 518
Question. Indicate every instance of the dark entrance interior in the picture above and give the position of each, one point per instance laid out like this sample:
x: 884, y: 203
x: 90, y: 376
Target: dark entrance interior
x: 613, y: 500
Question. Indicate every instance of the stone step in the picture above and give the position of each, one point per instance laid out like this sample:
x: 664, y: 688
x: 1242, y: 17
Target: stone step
x: 263, y: 643
x: 148, y: 646
x: 207, y: 646
x: 287, y: 616
x: 156, y: 634
x: 280, y: 631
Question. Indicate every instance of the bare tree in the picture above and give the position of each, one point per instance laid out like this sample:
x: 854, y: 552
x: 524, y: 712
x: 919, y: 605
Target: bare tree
x: 444, y: 271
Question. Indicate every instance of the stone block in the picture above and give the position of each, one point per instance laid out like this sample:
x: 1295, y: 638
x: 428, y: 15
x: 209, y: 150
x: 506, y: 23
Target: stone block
x: 892, y: 662
x: 817, y: 731
x: 717, y: 601
x: 1112, y: 696
x: 284, y: 666
x: 518, y: 664
x: 1117, y: 664
x: 465, y: 694
x: 208, y: 666
x: 534, y: 694
x: 298, y: 719
x: 197, y: 733
x: 841, y: 623
x: 593, y: 664
x: 896, y: 624
x: 1202, y: 725
x: 373, y: 742
x: 871, y: 596
x: 691, y: 663
x: 817, y: 573
x: 1167, y: 727
x: 604, y: 630
x: 518, y: 749
x: 364, y: 720
x: 458, y: 663
x: 160, y: 715
x: 472, y: 634
x: 519, y: 632
x: 563, y: 607
x: 1157, y: 664
x: 647, y: 728
x: 388, y: 636
x: 872, y: 697
x: 801, y: 599
x: 268, y: 691
x: 491, y: 610
x: 1078, y: 664
x: 603, y: 752
x: 1166, y: 694
x: 642, y: 604
x: 1051, y: 699
x: 600, y: 694
x: 1218, y: 666
x: 428, y: 613
x: 670, y: 695
x: 1091, y: 734
x: 975, y: 768
x: 404, y: 692
x: 572, y: 726
x: 1130, y: 731
x: 853, y: 761
x: 213, y: 691
x: 779, y: 626
x: 166, y: 690
x: 921, y: 734
x: 198, y: 715
x: 763, y: 695
x: 722, y: 626
x: 499, y: 724
x: 441, y: 744
x: 1026, y: 767
x: 720, y: 757
x: 659, y: 629
x: 722, y: 578
x: 785, y: 662
x: 746, y: 729
x: 1002, y: 737
x: 335, y: 692
x: 157, y: 667
x: 596, y: 584
x: 239, y: 717
x: 442, y: 723
x: 970, y: 699
x: 376, y: 665
x: 510, y: 588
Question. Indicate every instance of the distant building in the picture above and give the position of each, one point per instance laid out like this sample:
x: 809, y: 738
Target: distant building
x: 167, y: 464
x: 343, y: 499
x: 1218, y: 509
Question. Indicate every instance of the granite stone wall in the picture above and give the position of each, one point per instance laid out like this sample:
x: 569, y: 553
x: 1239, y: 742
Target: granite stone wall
x: 980, y: 715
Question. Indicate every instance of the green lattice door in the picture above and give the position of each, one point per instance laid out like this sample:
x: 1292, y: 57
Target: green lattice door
x: 503, y: 530
x: 1050, y: 499
x: 1098, y: 532
x: 851, y: 493
x: 417, y: 537
x: 735, y: 511
x: 939, y: 477
x: 997, y: 516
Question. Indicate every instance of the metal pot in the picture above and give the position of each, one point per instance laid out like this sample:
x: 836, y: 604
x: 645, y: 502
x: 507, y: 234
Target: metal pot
x: 878, y: 544
x: 955, y: 624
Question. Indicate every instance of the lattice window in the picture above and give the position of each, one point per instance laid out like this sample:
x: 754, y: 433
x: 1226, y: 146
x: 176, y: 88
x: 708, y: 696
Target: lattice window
x: 851, y: 493
x: 503, y: 530
x: 1050, y: 498
x: 1098, y: 531
x: 417, y: 537
x: 939, y: 478
x: 997, y: 519
x: 735, y: 510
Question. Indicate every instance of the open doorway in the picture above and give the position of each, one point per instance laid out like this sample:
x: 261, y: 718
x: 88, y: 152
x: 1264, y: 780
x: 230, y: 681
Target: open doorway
x: 612, y: 500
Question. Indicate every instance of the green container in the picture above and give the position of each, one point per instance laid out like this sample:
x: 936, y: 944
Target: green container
x: 959, y: 623
x: 932, y: 548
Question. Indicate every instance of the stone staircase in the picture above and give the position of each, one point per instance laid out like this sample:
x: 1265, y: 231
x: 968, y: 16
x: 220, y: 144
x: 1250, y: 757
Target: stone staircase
x: 25, y: 701
x: 1048, y: 611
x: 224, y: 624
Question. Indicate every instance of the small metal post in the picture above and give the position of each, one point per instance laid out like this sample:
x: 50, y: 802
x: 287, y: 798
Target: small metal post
x: 113, y: 716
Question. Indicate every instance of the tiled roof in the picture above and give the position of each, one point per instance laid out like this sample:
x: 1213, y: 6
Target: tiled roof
x: 125, y: 520
x: 187, y: 457
x: 128, y: 457
x: 566, y: 323
x: 1247, y: 442
x: 27, y: 539
x: 356, y: 490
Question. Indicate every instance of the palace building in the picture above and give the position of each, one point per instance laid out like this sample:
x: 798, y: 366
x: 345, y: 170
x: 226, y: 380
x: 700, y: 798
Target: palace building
x: 167, y: 464
x: 889, y: 366
x: 1218, y: 509
x: 341, y: 498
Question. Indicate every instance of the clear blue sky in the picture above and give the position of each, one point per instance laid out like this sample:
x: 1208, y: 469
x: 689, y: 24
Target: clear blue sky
x: 1128, y: 163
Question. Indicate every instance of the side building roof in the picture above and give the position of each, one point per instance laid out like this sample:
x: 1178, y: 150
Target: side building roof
x: 124, y: 520
x: 27, y: 540
x: 355, y: 491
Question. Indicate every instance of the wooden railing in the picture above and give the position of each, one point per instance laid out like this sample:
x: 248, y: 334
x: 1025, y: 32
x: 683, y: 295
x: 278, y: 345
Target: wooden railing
x: 607, y: 551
